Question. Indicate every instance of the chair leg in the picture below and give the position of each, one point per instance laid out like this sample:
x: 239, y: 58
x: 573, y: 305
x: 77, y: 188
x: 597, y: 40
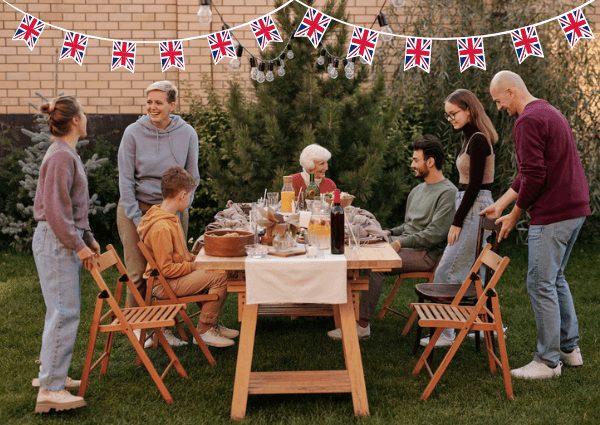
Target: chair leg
x: 198, y: 339
x: 390, y: 298
x: 180, y: 330
x: 422, y: 360
x: 445, y: 362
x: 174, y: 359
x: 149, y: 366
x: 89, y: 355
x: 411, y: 319
x: 502, y: 349
x: 107, y: 350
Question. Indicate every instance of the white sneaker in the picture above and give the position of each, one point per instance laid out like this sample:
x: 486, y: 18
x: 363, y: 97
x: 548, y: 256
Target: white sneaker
x: 472, y: 334
x: 70, y: 384
x: 213, y: 338
x: 363, y: 333
x: 172, y: 339
x: 443, y: 341
x: 138, y: 332
x: 571, y: 359
x: 226, y: 332
x: 57, y: 400
x: 536, y: 370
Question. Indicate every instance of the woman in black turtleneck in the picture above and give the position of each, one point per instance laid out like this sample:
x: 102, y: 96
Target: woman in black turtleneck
x: 475, y: 164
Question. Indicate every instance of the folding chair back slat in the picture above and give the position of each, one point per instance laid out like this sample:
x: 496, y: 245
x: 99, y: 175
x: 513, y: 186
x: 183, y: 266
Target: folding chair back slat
x: 466, y: 318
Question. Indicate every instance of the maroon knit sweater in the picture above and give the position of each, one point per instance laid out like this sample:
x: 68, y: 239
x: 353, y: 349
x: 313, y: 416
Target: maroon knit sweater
x: 551, y: 182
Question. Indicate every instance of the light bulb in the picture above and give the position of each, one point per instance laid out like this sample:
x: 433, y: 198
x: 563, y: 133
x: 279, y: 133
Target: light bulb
x: 321, y: 60
x: 363, y: 61
x: 398, y: 3
x: 270, y: 77
x: 254, y: 74
x: 290, y: 53
x: 235, y: 64
x: 349, y: 66
x: 350, y: 75
x: 281, y: 69
x: 386, y: 33
x: 334, y: 73
x: 204, y: 13
x: 260, y: 77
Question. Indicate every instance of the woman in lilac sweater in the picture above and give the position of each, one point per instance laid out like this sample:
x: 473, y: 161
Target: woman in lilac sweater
x: 62, y: 243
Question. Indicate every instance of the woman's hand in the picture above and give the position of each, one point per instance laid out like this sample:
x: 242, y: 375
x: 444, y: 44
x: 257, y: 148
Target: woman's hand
x: 453, y: 234
x: 96, y: 248
x: 86, y: 256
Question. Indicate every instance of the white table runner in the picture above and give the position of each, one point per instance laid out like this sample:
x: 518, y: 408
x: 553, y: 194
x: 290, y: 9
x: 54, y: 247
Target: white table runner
x: 275, y: 280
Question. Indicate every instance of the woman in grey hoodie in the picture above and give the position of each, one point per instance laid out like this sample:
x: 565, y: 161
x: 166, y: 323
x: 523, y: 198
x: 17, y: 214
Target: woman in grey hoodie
x: 155, y: 142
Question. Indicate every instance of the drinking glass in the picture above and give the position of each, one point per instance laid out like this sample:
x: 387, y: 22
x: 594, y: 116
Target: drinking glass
x: 319, y: 231
x: 272, y: 198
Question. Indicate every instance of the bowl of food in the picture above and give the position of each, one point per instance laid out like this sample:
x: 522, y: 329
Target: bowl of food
x: 227, y: 243
x: 257, y: 250
x: 345, y: 199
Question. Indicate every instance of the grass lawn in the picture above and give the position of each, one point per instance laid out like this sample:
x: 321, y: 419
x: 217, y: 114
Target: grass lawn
x: 467, y: 393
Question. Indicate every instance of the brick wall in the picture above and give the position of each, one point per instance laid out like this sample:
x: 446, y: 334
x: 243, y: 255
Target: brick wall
x: 23, y: 72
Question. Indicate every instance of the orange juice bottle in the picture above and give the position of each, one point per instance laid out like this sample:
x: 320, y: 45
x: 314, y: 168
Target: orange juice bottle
x: 287, y: 195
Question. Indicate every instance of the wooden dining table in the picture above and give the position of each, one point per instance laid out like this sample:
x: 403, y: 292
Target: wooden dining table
x: 376, y: 257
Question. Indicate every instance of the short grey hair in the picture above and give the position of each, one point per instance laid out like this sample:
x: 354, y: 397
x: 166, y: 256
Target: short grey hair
x: 165, y: 86
x: 313, y: 153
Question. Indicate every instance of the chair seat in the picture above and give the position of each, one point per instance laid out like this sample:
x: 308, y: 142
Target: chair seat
x: 444, y: 293
x: 146, y: 317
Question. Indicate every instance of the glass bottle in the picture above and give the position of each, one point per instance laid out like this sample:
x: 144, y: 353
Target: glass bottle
x: 337, y: 225
x: 287, y: 195
x: 312, y: 190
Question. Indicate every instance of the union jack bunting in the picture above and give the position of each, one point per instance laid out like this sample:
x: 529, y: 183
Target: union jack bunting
x: 470, y: 53
x: 221, y: 46
x: 313, y: 25
x: 526, y: 43
x: 363, y: 44
x: 29, y: 30
x: 171, y: 54
x: 123, y: 55
x: 575, y: 26
x: 418, y: 53
x: 74, y: 47
x: 264, y: 30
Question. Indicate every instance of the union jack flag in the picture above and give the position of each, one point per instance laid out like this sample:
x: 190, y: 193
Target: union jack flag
x: 29, y: 30
x: 264, y: 30
x: 575, y: 26
x: 363, y: 44
x: 171, y: 54
x: 526, y: 43
x: 123, y: 55
x: 221, y: 46
x: 74, y: 47
x: 470, y: 53
x: 313, y: 25
x: 418, y: 53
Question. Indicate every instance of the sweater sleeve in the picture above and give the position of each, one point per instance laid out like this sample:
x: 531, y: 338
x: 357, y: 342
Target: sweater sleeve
x: 478, y: 150
x: 437, y: 230
x: 160, y: 241
x: 530, y: 148
x: 191, y: 164
x: 126, y: 161
x: 58, y: 179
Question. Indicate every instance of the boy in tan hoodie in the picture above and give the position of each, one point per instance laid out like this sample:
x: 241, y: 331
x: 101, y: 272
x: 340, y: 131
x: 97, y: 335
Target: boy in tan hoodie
x: 160, y: 230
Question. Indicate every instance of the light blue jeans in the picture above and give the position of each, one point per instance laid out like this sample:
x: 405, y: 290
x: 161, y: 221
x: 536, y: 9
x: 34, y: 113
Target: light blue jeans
x: 458, y: 259
x: 59, y: 270
x: 549, y: 248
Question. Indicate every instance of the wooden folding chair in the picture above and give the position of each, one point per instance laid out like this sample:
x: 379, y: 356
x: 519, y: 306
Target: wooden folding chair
x: 466, y: 318
x: 156, y: 277
x: 126, y: 320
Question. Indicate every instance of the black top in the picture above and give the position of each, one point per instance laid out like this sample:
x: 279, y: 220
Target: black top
x: 479, y: 148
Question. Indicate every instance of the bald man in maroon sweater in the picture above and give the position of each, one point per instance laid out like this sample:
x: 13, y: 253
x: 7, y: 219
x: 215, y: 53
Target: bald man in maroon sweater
x: 552, y: 186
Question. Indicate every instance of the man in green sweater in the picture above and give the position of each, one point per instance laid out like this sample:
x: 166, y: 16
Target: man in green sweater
x: 421, y: 239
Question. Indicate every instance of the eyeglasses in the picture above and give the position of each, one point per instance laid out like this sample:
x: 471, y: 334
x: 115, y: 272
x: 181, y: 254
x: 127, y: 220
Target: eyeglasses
x: 451, y: 116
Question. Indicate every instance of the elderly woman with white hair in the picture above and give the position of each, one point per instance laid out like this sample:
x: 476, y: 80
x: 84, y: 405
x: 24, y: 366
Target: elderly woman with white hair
x: 313, y: 159
x: 155, y: 142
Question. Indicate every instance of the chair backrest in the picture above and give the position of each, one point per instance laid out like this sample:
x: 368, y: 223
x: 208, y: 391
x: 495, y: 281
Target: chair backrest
x: 488, y: 224
x: 155, y: 276
x: 102, y: 263
x: 493, y: 262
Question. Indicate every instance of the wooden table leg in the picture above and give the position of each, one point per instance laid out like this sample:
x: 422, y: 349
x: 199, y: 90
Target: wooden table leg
x: 244, y: 362
x: 353, y: 359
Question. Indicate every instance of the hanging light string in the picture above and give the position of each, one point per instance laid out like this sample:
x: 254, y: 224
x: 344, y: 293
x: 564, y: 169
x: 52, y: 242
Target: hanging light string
x: 337, y: 20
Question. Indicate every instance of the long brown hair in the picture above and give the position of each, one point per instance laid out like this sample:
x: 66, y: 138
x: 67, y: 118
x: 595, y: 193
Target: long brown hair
x: 59, y: 114
x: 465, y: 99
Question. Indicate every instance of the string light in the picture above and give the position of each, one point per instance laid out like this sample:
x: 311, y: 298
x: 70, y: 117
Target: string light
x: 385, y: 31
x: 235, y: 63
x: 321, y: 59
x: 261, y: 73
x: 334, y: 71
x: 253, y: 70
x: 270, y: 77
x: 290, y: 52
x: 398, y: 3
x: 281, y: 69
x: 204, y: 13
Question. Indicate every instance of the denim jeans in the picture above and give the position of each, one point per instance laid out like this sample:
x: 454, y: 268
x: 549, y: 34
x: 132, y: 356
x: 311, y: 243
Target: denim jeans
x: 59, y: 270
x: 549, y: 248
x: 458, y: 259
